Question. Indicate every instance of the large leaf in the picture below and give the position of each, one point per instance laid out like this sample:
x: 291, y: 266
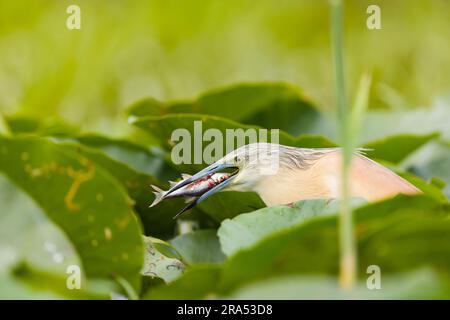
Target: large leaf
x: 83, y: 199
x: 396, y: 148
x: 421, y: 121
x: 41, y: 243
x: 38, y: 282
x: 133, y: 165
x: 141, y: 159
x: 144, y: 160
x: 420, y: 284
x: 430, y: 162
x: 201, y: 246
x: 428, y: 188
x: 228, y: 204
x: 397, y: 234
x: 270, y: 105
x: 28, y: 237
x: 45, y: 126
x: 247, y: 229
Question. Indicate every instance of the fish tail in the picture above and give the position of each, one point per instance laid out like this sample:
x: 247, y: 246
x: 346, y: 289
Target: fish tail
x: 159, y: 195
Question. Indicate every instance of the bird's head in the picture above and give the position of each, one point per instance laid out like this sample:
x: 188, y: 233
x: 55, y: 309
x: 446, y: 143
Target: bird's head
x: 250, y: 164
x: 247, y: 165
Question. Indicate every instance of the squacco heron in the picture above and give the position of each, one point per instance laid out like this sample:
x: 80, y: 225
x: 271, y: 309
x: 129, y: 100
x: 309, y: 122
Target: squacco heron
x: 282, y: 175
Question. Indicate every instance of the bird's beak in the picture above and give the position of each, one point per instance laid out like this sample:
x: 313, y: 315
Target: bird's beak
x: 205, y: 172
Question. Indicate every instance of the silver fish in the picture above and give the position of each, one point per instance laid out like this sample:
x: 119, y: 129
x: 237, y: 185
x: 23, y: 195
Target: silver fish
x: 190, y: 191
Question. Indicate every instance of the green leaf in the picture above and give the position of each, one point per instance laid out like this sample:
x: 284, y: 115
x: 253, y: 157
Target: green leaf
x: 270, y: 105
x: 228, y: 204
x: 419, y: 284
x: 138, y: 158
x: 431, y: 161
x: 23, y: 124
x: 381, y: 124
x: 165, y: 248
x: 28, y: 237
x: 45, y: 127
x: 427, y: 188
x: 44, y: 281
x: 146, y: 107
x: 163, y: 126
x: 396, y: 148
x: 157, y: 264
x: 201, y: 246
x: 313, y: 141
x: 158, y: 220
x: 247, y: 229
x: 83, y: 199
x: 438, y: 183
x: 197, y: 283
x: 420, y: 121
x: 41, y: 243
x: 397, y: 234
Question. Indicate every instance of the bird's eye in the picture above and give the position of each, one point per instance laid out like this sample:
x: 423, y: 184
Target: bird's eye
x: 237, y: 159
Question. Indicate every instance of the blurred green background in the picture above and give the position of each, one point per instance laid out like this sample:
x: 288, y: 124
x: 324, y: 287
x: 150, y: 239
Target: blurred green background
x: 170, y: 50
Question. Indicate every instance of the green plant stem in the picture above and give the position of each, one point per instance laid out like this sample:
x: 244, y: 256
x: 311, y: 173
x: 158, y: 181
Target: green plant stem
x: 359, y: 107
x: 348, y: 259
x: 127, y: 287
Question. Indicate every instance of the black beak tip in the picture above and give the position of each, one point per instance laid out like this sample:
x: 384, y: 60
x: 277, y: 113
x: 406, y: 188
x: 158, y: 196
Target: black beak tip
x: 188, y: 207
